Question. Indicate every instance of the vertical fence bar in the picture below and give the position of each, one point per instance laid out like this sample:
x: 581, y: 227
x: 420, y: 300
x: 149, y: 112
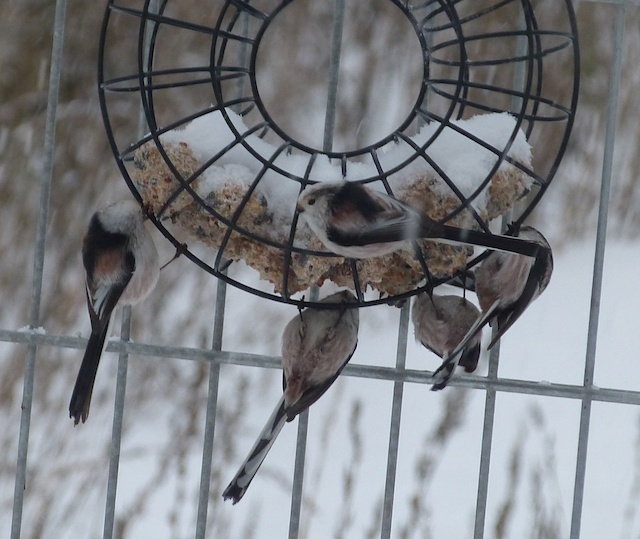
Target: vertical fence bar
x: 480, y: 520
x: 394, y: 431
x: 298, y: 474
x: 329, y: 126
x: 598, y: 269
x: 116, y: 429
x: 123, y: 357
x: 485, y: 447
x: 214, y: 367
x: 243, y: 60
x: 38, y: 263
x: 216, y: 345
x: 334, y: 74
x: 210, y: 418
x: 298, y: 466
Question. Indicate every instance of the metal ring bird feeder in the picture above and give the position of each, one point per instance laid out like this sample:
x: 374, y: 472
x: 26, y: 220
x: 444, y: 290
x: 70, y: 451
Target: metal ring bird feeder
x: 213, y: 162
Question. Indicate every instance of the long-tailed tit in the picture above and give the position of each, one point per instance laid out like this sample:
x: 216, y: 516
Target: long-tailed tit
x: 440, y: 324
x: 356, y: 221
x: 121, y: 264
x: 506, y: 284
x: 316, y: 345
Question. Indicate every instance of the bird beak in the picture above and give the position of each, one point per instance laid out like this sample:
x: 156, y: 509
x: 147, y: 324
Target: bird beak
x: 299, y: 207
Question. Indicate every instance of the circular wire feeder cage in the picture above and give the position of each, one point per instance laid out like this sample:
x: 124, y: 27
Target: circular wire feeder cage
x: 471, y: 105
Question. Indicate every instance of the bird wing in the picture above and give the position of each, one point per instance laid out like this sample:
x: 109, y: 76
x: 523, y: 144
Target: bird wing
x: 507, y: 317
x: 312, y: 394
x: 362, y: 216
x: 383, y: 219
x: 442, y: 374
x: 469, y: 358
x: 103, y: 294
x: 429, y: 347
x: 102, y: 298
x: 316, y: 344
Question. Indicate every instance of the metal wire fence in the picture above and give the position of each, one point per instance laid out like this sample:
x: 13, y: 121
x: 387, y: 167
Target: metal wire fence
x: 586, y: 393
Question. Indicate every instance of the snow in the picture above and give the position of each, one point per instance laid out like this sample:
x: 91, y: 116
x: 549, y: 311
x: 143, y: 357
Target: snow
x: 535, y: 437
x: 533, y: 450
x: 28, y: 329
x: 545, y: 346
x: 463, y: 160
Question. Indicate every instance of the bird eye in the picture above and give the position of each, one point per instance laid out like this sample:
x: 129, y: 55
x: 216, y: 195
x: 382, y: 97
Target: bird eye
x: 311, y: 201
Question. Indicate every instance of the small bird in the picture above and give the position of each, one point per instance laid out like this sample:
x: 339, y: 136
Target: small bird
x: 316, y: 345
x: 355, y: 221
x: 505, y: 284
x: 440, y: 324
x: 122, y: 268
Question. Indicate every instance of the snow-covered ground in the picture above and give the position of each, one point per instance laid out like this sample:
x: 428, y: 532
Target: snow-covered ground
x: 534, y: 447
x: 547, y: 344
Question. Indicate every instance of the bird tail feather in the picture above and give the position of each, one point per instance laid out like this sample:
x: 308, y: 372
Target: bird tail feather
x: 443, y: 374
x: 495, y: 242
x: 240, y: 483
x: 83, y: 389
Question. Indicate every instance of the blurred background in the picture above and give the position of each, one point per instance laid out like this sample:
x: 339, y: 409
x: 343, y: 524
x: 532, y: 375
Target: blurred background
x: 164, y: 419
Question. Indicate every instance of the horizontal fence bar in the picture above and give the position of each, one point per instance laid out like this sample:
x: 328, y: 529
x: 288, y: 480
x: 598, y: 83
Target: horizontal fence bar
x: 507, y: 385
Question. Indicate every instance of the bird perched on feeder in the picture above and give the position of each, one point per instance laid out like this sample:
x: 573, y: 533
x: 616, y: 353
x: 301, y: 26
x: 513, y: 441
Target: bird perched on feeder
x: 355, y: 221
x: 440, y: 324
x: 506, y: 284
x: 122, y: 268
x: 316, y: 345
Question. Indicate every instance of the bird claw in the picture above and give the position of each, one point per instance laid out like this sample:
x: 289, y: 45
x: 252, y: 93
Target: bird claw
x: 180, y: 250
